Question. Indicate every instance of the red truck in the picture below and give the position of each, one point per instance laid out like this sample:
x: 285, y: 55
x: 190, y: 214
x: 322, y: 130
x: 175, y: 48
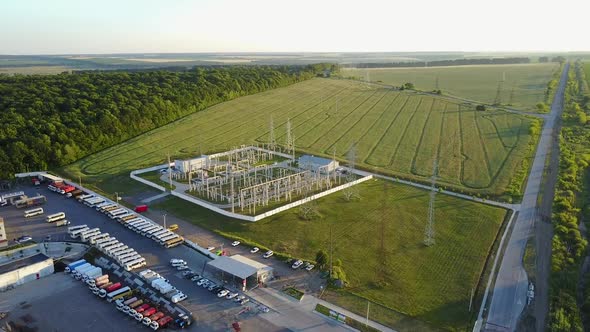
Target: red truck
x: 67, y: 189
x: 142, y: 308
x: 113, y: 287
x: 149, y: 312
x: 141, y: 208
x: 164, y: 321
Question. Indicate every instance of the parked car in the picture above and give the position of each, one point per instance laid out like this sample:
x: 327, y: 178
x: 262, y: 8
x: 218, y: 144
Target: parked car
x: 188, y: 274
x: 177, y: 261
x: 222, y: 293
x: 254, y: 250
x: 268, y: 254
x: 235, y: 243
x: 297, y: 264
x: 231, y: 295
x: 196, y: 278
x: 310, y: 267
x: 244, y: 301
x: 24, y: 238
x: 239, y: 298
x: 202, y: 282
x: 263, y: 308
x: 182, y: 267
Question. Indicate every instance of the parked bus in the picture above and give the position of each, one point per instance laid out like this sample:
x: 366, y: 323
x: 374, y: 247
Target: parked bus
x: 174, y: 242
x: 98, y: 237
x: 115, y: 244
x: 128, y: 221
x: 105, y: 244
x: 56, y: 217
x: 121, y: 291
x: 129, y: 252
x: 33, y: 212
x: 88, y: 233
x: 76, y: 228
x: 158, y: 233
x: 109, y: 208
x: 169, y: 237
x: 128, y: 257
x: 118, y: 251
x: 130, y: 216
x: 83, y: 197
x: 94, y: 201
x: 76, y: 233
x: 101, y: 241
x: 134, y: 264
x: 103, y: 204
x: 114, y: 214
x: 137, y: 224
x: 144, y: 230
x: 162, y: 236
x: 148, y: 234
x: 109, y: 251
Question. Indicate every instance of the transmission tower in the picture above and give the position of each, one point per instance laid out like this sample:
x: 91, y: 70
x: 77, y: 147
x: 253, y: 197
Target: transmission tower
x: 290, y: 144
x: 351, y: 192
x: 436, y: 86
x: 429, y: 231
x: 511, y: 100
x: 271, y: 135
x: 498, y: 98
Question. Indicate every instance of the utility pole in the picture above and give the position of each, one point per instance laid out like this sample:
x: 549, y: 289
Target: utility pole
x: 367, y: 321
x: 429, y: 231
x: 80, y: 180
x: 164, y: 216
x: 331, y: 251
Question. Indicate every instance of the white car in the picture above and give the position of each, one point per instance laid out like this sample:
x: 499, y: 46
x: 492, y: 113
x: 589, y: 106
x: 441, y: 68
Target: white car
x: 268, y: 254
x: 263, y: 309
x: 235, y: 243
x: 182, y: 267
x: 202, y: 281
x: 239, y: 298
x: 231, y: 295
x: 254, y: 250
x: 223, y: 293
x: 297, y: 264
x: 310, y: 267
x: 177, y: 261
x: 179, y: 297
x: 210, y: 248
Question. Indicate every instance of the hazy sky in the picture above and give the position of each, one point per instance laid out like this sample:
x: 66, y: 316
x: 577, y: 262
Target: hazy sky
x: 108, y: 26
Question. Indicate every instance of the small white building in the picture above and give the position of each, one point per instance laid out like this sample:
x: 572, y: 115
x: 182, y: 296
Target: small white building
x: 239, y: 271
x: 3, y: 239
x: 317, y: 164
x: 23, y: 270
x: 190, y: 165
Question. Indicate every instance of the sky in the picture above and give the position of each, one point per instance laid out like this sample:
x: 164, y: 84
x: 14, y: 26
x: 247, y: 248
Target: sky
x: 175, y: 26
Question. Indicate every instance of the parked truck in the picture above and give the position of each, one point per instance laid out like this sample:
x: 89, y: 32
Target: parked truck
x: 91, y: 274
x: 74, y: 193
x: 104, y: 291
x: 147, y: 320
x: 148, y: 312
x: 79, y: 267
x: 130, y: 309
x: 100, y: 280
x: 79, y: 273
x: 73, y: 265
x: 161, y: 323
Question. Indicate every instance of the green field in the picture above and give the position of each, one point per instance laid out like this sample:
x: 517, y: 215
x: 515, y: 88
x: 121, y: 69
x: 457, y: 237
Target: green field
x: 432, y: 284
x: 397, y: 133
x: 524, y: 84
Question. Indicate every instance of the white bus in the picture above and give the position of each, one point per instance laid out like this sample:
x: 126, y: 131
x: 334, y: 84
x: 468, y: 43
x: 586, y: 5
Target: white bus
x: 146, y: 228
x: 169, y: 237
x: 101, y: 241
x: 123, y: 258
x: 162, y: 236
x: 118, y: 251
x: 127, y: 214
x: 158, y: 233
x: 114, y: 215
x: 140, y: 227
x: 134, y: 264
x: 94, y: 201
x: 137, y: 224
x: 174, y: 242
x: 109, y: 208
x: 118, y: 209
x: 73, y: 229
x: 83, y: 197
x: 33, y: 212
x: 122, y: 290
x: 98, y: 237
x: 56, y: 217
x: 129, y: 252
x: 110, y: 249
x: 88, y: 233
x: 105, y: 244
x: 128, y: 221
x: 103, y: 204
x: 114, y: 244
x: 149, y: 233
x: 154, y: 228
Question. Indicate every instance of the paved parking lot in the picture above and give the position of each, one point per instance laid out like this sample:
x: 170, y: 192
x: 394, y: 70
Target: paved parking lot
x: 211, y: 313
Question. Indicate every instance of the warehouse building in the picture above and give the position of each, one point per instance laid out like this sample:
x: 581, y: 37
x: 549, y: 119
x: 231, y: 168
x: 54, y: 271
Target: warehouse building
x: 190, y: 165
x: 239, y: 271
x: 27, y: 269
x: 317, y: 164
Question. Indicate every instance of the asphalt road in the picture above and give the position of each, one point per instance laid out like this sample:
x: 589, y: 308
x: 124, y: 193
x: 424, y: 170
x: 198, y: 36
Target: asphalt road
x: 509, y: 295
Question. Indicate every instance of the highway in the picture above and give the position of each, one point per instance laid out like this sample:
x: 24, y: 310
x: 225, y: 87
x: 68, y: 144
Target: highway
x: 509, y: 294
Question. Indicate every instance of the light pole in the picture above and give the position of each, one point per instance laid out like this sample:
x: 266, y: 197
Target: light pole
x: 164, y: 216
x: 117, y: 197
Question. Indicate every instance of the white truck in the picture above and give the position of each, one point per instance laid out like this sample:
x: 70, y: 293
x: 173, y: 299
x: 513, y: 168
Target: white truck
x: 91, y: 274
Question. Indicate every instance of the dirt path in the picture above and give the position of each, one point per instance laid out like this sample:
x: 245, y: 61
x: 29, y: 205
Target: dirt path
x: 544, y: 234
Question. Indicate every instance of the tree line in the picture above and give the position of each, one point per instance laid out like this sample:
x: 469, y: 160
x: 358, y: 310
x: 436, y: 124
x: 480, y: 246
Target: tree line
x: 51, y: 121
x: 570, y: 207
x: 438, y: 63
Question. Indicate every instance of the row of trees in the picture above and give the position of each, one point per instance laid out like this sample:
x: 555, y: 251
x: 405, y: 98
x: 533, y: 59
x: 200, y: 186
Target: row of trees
x: 568, y: 244
x: 50, y: 121
x: 438, y: 63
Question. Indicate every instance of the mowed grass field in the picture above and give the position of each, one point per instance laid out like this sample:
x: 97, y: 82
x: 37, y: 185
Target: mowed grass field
x: 524, y: 84
x: 432, y: 284
x: 397, y: 133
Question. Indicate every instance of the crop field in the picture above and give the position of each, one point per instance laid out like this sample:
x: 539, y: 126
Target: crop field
x: 431, y: 284
x: 523, y: 87
x: 396, y: 133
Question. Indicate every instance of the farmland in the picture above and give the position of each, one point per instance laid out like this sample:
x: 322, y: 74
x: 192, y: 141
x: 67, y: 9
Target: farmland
x: 432, y: 284
x: 396, y: 133
x: 524, y: 84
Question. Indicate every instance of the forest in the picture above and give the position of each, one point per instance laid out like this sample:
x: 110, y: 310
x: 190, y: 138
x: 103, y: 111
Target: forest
x: 51, y: 121
x: 437, y: 63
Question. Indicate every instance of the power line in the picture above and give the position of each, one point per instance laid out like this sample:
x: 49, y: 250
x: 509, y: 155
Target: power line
x: 429, y: 232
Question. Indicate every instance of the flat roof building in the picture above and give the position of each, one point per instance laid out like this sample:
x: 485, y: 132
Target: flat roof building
x: 24, y: 270
x: 317, y: 164
x: 239, y: 271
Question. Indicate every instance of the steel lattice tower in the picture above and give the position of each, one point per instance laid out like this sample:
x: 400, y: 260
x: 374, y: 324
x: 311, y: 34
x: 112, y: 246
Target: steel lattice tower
x: 429, y: 232
x: 290, y: 143
x: 271, y: 135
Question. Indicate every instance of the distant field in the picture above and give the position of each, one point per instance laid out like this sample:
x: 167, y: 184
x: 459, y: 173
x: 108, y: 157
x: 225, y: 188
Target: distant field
x: 396, y: 133
x: 523, y: 88
x: 32, y: 70
x: 431, y: 284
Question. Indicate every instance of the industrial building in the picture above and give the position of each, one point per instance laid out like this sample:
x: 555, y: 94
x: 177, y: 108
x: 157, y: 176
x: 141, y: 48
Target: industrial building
x: 190, y: 165
x: 239, y: 271
x: 3, y: 239
x: 317, y: 164
x: 20, y: 271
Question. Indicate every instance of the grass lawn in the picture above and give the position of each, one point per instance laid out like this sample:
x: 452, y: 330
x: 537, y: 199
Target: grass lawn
x: 431, y: 284
x: 396, y: 133
x: 523, y: 88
